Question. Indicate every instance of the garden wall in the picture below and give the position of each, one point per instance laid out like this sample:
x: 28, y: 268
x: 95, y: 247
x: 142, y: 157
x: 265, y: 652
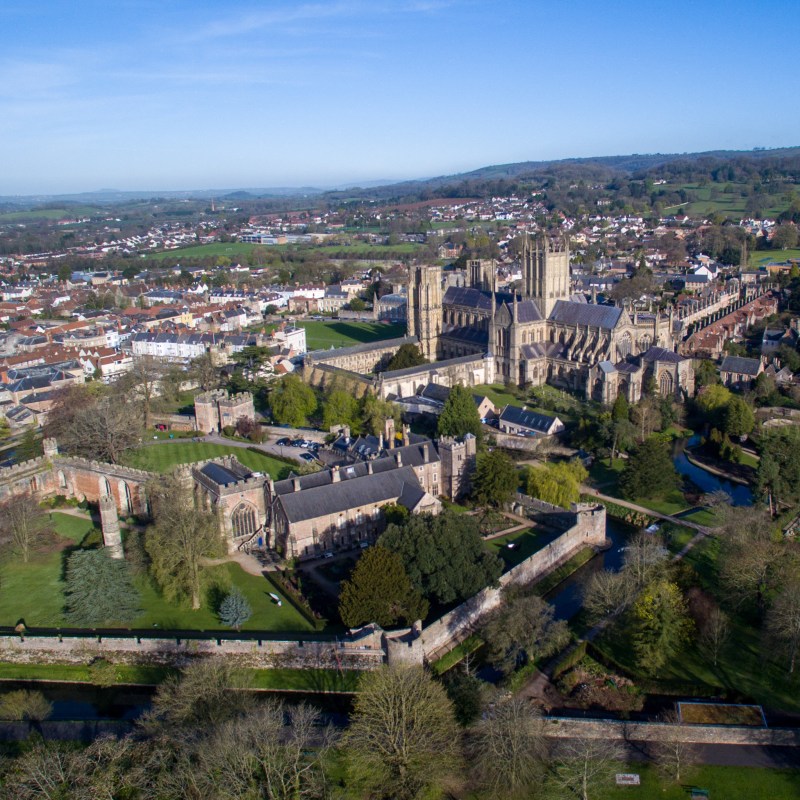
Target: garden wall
x: 562, y: 728
x: 588, y: 529
x: 364, y: 652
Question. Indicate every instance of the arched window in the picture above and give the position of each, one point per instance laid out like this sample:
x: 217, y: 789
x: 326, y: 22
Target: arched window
x: 125, y: 497
x: 105, y: 488
x: 244, y: 520
x: 624, y: 346
x: 62, y: 480
x: 665, y: 384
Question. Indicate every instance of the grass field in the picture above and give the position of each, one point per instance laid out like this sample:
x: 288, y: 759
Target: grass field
x: 163, y: 457
x: 49, y: 213
x: 759, y: 258
x: 236, y: 249
x: 35, y: 591
x: 324, y: 335
x: 526, y: 543
x: 722, y: 783
x: 731, y: 204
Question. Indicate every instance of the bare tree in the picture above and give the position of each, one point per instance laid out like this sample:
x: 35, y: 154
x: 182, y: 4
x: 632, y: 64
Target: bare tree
x: 507, y: 748
x: 89, y: 422
x: 584, y: 767
x: 607, y: 593
x: 403, y: 737
x: 141, y: 384
x: 645, y: 556
x: 672, y: 753
x: 203, y: 695
x: 277, y: 749
x: 783, y: 622
x: 715, y: 631
x: 21, y: 524
x: 180, y: 540
x: 205, y: 372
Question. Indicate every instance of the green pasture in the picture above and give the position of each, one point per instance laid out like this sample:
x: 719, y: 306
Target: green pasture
x: 322, y: 335
x: 162, y: 457
x: 48, y: 214
x: 760, y: 258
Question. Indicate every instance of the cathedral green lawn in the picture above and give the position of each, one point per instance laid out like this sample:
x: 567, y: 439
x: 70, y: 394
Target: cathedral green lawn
x: 163, y: 457
x: 35, y: 592
x: 324, y: 335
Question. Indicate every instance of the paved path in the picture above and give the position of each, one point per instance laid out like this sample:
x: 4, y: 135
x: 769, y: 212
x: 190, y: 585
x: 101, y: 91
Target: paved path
x: 644, y: 510
x: 248, y: 563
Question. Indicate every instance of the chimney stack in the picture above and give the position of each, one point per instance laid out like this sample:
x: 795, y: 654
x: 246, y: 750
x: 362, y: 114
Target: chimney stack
x: 398, y: 457
x: 335, y: 477
x: 296, y: 484
x: 369, y: 468
x: 406, y: 435
x: 425, y: 454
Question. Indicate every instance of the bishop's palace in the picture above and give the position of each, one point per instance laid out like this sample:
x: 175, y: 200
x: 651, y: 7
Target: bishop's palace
x: 542, y: 333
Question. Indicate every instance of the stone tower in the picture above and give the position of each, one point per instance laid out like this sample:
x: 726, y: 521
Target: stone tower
x: 112, y: 538
x: 482, y: 274
x: 425, y: 308
x: 545, y: 272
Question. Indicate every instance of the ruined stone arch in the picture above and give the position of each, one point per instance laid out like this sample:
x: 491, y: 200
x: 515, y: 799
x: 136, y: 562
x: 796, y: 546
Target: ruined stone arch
x: 244, y: 520
x: 125, y: 500
x: 62, y: 479
x: 105, y: 487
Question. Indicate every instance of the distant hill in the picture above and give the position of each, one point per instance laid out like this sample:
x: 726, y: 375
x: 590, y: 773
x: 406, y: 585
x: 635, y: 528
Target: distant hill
x: 593, y: 168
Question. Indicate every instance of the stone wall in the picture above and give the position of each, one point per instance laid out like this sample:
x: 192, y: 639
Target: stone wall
x: 263, y: 653
x: 565, y: 728
x: 588, y: 530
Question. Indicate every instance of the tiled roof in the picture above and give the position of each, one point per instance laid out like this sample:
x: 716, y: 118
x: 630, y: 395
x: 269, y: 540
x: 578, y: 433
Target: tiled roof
x: 741, y: 365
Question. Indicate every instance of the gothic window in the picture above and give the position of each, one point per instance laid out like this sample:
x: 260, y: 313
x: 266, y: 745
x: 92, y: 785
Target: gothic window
x: 105, y: 487
x: 62, y: 480
x: 244, y: 520
x: 624, y: 346
x: 644, y: 342
x: 665, y: 384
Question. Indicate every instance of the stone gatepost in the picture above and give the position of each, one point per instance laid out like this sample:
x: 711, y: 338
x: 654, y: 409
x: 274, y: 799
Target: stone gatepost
x: 112, y: 537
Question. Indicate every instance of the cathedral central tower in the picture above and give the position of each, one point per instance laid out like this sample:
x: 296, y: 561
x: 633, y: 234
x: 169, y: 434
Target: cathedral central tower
x: 545, y: 272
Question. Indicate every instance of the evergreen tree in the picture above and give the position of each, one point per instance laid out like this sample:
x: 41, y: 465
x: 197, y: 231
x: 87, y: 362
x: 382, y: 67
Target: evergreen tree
x: 234, y: 610
x: 649, y: 471
x: 661, y: 624
x: 459, y: 415
x: 443, y: 555
x: 30, y: 446
x: 380, y: 591
x: 407, y: 355
x: 495, y: 479
x: 99, y: 590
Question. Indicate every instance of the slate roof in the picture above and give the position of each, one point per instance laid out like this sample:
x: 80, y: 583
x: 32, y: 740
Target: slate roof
x: 527, y: 419
x: 321, y: 355
x: 220, y: 474
x: 467, y: 334
x: 597, y: 316
x: 411, y: 455
x: 741, y: 365
x: 336, y: 498
x: 661, y: 354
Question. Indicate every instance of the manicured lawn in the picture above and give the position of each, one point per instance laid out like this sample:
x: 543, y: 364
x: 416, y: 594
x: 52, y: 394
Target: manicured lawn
x: 267, y: 615
x: 526, y: 543
x: 230, y: 249
x: 604, y: 474
x: 498, y: 394
x: 722, y: 783
x: 34, y: 591
x: 748, y: 459
x: 324, y: 335
x: 163, y: 457
x: 760, y: 257
x: 670, y: 503
x: 457, y: 654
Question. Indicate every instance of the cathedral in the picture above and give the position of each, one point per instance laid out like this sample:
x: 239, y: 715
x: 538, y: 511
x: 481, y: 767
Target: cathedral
x: 542, y: 333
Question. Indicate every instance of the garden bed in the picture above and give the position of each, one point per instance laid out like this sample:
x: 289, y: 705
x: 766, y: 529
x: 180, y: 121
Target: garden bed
x: 721, y: 714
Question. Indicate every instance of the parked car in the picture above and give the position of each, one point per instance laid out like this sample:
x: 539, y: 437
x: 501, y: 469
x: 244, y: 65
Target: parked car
x: 284, y: 442
x: 307, y: 457
x: 328, y: 554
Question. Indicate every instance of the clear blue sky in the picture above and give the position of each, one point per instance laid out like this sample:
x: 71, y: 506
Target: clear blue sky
x: 180, y: 94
